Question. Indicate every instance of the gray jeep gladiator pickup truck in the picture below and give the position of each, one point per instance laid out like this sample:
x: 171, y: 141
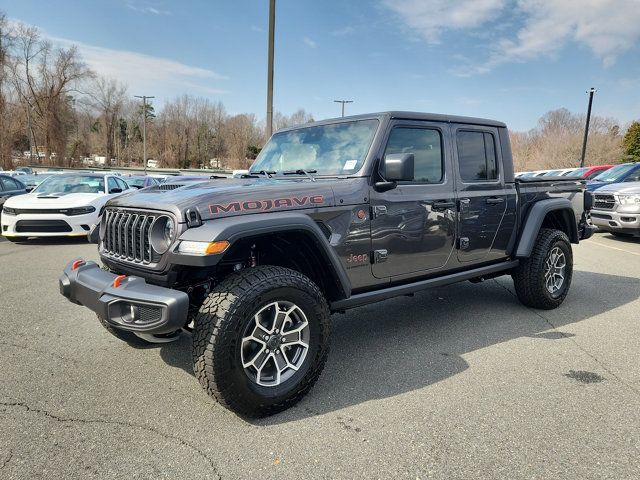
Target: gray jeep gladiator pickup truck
x: 332, y: 215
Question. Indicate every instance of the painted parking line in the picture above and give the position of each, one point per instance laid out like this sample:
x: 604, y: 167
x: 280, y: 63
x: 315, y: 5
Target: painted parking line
x: 615, y: 248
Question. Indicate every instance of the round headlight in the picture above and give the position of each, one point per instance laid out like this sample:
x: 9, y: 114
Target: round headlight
x: 163, y: 233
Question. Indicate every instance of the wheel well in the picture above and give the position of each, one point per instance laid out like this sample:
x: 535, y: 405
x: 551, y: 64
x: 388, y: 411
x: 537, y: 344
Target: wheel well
x: 297, y: 250
x: 562, y: 220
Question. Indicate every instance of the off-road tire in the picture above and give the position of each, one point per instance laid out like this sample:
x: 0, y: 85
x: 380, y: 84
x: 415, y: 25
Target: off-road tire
x: 529, y: 276
x: 218, y: 331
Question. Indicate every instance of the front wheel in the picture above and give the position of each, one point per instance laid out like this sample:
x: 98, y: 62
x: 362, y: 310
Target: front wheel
x: 543, y: 280
x: 261, y: 339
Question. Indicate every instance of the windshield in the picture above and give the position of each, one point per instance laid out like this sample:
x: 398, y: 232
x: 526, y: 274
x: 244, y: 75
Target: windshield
x: 334, y: 149
x: 579, y: 172
x: 614, y: 174
x: 71, y: 184
x: 136, y: 182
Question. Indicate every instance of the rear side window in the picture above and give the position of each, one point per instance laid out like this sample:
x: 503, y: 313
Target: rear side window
x: 10, y: 184
x: 426, y: 146
x: 477, y: 156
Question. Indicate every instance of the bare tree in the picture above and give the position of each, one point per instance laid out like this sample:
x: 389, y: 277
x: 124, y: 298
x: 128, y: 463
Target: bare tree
x: 107, y: 96
x: 45, y: 77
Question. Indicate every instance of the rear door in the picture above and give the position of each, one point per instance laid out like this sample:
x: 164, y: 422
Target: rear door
x: 413, y: 225
x: 482, y: 201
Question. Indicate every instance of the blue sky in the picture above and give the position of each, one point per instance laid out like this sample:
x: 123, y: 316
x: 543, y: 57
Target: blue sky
x: 511, y: 60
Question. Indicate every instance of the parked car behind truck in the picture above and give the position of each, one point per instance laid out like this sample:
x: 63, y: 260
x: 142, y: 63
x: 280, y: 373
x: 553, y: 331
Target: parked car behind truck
x: 616, y: 209
x: 333, y: 215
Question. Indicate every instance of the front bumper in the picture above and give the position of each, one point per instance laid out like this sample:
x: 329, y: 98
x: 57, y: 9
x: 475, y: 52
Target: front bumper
x: 127, y: 304
x: 48, y: 225
x: 611, y: 221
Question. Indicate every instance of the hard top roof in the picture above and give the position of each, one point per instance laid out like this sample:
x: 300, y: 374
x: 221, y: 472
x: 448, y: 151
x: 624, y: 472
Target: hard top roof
x: 401, y: 115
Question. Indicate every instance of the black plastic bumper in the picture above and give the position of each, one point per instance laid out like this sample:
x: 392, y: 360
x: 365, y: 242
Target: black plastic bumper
x: 132, y: 305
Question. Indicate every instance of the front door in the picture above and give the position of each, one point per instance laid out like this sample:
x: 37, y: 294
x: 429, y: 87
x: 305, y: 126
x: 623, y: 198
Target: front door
x: 482, y: 198
x: 413, y: 225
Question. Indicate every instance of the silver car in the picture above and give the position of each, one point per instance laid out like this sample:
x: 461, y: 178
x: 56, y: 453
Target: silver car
x: 616, y: 208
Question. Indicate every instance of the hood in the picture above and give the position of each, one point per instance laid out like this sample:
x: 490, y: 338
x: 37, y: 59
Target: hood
x: 621, y: 188
x: 224, y: 198
x: 56, y: 200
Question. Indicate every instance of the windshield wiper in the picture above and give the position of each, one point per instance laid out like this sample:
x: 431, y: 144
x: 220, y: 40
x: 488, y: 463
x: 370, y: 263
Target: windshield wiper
x: 266, y: 173
x: 300, y: 171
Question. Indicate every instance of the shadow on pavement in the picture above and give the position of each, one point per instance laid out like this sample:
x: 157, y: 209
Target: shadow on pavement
x: 48, y: 241
x: 403, y: 344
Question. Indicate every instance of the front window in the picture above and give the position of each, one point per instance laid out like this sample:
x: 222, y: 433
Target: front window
x: 70, y: 184
x: 333, y: 149
x: 615, y: 174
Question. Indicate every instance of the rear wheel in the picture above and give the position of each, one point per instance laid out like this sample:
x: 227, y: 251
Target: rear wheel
x: 261, y: 339
x: 543, y: 280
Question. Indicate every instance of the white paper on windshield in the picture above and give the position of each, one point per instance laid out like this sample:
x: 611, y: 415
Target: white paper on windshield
x: 350, y: 164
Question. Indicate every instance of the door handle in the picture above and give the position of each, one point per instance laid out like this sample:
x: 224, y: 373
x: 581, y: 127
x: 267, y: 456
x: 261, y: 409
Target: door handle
x: 495, y: 200
x: 442, y: 205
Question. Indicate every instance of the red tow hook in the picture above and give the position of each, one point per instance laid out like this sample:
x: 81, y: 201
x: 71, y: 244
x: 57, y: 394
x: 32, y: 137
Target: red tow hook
x: 118, y: 280
x: 76, y: 264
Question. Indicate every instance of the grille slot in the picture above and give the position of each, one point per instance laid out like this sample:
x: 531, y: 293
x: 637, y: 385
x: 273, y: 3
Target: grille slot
x: 127, y: 235
x: 604, y: 202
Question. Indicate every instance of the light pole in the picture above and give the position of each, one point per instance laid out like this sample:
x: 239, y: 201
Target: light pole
x: 272, y: 27
x: 591, y: 91
x: 343, y: 102
x: 144, y: 129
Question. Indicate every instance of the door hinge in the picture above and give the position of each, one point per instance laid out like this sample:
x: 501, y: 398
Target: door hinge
x: 379, y: 210
x: 380, y: 256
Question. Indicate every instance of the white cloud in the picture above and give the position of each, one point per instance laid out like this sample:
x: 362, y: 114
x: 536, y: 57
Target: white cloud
x: 146, y: 72
x: 341, y: 32
x: 255, y: 28
x: 309, y: 43
x: 148, y: 9
x: 607, y: 27
x: 432, y: 17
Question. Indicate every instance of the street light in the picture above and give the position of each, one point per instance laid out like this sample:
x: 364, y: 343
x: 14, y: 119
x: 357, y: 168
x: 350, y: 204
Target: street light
x: 144, y: 129
x: 591, y: 91
x: 343, y: 102
x: 272, y: 27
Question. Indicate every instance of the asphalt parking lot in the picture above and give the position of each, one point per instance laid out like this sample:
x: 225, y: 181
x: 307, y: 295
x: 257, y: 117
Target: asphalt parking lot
x: 456, y: 382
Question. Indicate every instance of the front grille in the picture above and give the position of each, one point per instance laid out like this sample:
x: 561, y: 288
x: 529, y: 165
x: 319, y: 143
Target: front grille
x: 42, y: 226
x: 127, y: 235
x: 604, y: 202
x: 42, y: 211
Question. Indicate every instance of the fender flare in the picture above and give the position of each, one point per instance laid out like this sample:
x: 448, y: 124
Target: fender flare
x: 237, y: 228
x: 534, y: 220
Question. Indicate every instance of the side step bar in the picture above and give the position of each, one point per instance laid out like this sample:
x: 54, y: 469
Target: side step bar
x: 397, y: 290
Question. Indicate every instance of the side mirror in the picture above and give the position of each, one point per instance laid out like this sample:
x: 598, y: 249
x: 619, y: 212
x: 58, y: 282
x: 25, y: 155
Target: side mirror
x: 115, y: 190
x: 398, y: 167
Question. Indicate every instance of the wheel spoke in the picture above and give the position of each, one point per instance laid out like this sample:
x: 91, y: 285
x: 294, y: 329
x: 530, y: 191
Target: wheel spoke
x: 258, y: 360
x: 276, y: 343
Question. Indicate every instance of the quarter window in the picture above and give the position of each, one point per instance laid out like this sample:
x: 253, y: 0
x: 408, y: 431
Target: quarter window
x: 426, y: 146
x: 477, y: 156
